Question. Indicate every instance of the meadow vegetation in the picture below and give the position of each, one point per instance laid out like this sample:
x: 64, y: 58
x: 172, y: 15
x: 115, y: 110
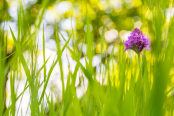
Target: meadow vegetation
x: 125, y: 84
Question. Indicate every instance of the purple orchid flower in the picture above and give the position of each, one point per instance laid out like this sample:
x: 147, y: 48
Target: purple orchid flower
x: 137, y: 41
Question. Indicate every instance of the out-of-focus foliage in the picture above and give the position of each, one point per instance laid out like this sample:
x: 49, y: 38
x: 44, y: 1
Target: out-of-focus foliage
x: 119, y: 15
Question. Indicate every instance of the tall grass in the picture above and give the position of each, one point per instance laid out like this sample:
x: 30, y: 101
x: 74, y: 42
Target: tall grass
x: 136, y: 86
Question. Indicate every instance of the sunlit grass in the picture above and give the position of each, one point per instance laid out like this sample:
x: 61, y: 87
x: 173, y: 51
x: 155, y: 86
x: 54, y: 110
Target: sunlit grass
x: 128, y: 86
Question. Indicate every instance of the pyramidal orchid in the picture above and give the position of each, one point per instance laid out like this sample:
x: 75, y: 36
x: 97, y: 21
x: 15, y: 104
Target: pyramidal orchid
x: 137, y: 41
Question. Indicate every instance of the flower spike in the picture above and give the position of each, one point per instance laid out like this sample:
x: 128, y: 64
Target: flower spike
x: 137, y: 41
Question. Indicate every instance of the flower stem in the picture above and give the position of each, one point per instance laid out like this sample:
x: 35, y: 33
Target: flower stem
x: 139, y: 60
x: 139, y: 63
